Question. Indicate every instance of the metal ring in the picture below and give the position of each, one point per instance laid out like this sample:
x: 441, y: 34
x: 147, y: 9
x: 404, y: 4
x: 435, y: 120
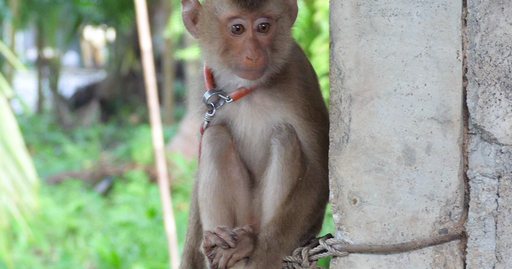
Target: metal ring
x: 213, y: 92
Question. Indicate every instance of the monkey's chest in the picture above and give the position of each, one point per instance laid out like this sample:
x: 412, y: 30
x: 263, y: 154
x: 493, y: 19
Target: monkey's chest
x: 251, y: 127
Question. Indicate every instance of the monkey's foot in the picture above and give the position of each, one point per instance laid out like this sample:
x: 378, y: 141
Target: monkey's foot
x: 225, y: 247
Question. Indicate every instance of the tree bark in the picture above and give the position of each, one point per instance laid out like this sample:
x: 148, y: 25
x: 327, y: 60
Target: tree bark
x: 169, y: 73
x: 40, y: 67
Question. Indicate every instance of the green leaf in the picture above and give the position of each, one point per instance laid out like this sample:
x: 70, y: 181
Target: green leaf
x: 5, y: 88
x: 18, y: 178
x: 9, y: 55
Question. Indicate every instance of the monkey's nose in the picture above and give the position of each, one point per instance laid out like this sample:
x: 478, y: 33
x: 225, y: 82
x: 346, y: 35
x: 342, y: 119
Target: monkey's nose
x: 254, y: 61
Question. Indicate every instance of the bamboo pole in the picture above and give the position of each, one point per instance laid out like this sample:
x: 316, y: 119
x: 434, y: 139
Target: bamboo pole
x: 156, y: 127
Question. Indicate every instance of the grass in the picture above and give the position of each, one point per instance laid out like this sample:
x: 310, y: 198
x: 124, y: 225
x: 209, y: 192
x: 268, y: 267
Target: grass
x: 77, y: 228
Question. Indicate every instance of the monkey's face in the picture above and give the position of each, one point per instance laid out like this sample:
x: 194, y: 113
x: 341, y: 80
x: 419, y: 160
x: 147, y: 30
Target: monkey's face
x: 247, y: 43
x: 251, y: 44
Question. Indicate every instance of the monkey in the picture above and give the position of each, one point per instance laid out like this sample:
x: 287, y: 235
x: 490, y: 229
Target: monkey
x: 262, y: 181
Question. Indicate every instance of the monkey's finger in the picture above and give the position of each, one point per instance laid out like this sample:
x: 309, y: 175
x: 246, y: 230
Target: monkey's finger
x: 208, y: 248
x: 211, y: 239
x: 211, y: 253
x: 236, y: 257
x: 242, y: 252
x: 226, y: 235
x: 245, y: 248
x: 215, y: 263
x: 216, y: 241
x: 232, y: 261
x: 248, y: 229
x: 208, y: 242
x: 239, y: 231
x: 223, y: 261
x: 213, y: 266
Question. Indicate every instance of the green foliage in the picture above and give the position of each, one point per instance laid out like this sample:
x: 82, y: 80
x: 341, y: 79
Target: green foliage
x: 141, y: 145
x: 327, y: 228
x: 116, y: 13
x: 312, y: 32
x: 78, y: 228
x: 55, y: 150
x: 19, y: 181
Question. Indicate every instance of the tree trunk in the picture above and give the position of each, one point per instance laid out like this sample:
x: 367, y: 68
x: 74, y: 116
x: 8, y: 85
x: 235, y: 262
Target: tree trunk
x: 60, y: 105
x: 169, y: 74
x: 40, y: 64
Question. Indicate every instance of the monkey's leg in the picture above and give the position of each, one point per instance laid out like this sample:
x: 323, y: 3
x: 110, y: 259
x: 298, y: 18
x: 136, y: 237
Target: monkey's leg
x: 288, y: 200
x: 224, y: 192
x: 224, y: 183
x: 193, y: 258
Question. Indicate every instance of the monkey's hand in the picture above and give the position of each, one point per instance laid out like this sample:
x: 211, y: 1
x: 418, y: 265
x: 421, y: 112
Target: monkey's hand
x: 225, y: 247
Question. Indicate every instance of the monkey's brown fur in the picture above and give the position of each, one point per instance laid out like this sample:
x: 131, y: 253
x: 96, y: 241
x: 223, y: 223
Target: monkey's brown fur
x: 250, y: 4
x: 264, y: 157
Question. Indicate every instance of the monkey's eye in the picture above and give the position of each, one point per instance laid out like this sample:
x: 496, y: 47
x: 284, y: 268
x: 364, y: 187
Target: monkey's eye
x: 237, y: 29
x: 263, y: 28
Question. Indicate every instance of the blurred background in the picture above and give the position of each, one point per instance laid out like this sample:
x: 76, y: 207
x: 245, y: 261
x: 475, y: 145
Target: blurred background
x: 77, y: 176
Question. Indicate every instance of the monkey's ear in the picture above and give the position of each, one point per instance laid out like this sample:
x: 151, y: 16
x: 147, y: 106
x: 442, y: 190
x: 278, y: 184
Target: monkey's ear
x: 190, y: 15
x: 294, y: 9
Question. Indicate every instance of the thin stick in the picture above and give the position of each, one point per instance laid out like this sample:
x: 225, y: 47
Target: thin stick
x: 156, y: 127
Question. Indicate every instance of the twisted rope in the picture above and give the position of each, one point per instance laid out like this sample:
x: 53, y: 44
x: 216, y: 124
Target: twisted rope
x: 307, y: 257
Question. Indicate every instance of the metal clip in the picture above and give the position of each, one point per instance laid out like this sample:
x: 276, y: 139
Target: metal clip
x: 208, y: 116
x: 212, y: 106
x: 222, y: 99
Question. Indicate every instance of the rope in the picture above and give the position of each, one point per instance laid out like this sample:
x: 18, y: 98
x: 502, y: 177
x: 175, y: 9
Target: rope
x: 307, y: 257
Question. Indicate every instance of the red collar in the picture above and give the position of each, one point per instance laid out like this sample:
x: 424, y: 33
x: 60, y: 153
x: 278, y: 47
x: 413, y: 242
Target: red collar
x: 210, y: 84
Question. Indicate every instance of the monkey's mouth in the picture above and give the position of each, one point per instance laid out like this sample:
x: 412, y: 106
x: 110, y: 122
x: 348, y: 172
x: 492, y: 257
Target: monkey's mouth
x: 250, y: 74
